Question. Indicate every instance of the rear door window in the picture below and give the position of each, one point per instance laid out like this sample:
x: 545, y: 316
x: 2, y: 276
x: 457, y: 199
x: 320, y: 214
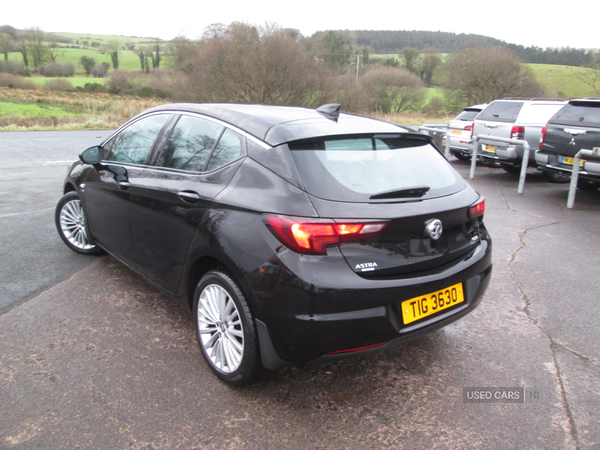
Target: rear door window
x: 190, y: 144
x: 358, y: 168
x: 198, y: 145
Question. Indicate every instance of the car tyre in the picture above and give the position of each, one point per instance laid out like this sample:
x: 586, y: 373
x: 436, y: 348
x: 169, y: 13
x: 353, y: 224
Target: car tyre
x: 70, y: 221
x: 461, y: 156
x: 558, y: 177
x: 226, y: 329
x: 509, y: 168
x: 588, y: 185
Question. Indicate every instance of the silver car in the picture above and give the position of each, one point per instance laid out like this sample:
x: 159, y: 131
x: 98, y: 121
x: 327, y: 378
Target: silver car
x: 513, y: 119
x: 460, y: 132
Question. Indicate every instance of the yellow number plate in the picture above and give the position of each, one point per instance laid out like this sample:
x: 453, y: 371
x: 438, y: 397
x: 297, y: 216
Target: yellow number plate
x: 570, y: 161
x: 456, y: 131
x: 490, y: 148
x: 426, y: 305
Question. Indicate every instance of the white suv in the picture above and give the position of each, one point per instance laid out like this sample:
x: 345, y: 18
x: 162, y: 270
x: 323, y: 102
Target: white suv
x: 513, y: 119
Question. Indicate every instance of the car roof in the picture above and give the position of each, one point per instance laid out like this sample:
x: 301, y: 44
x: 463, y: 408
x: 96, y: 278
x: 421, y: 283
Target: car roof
x: 588, y: 101
x: 279, y: 124
x: 475, y: 107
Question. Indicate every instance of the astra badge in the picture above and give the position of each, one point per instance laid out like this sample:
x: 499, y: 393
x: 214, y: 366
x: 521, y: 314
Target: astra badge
x: 365, y: 267
x: 434, y: 229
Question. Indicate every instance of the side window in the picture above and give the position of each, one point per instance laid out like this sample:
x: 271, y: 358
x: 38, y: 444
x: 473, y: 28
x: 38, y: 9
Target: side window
x: 190, y: 144
x: 134, y: 143
x: 228, y: 149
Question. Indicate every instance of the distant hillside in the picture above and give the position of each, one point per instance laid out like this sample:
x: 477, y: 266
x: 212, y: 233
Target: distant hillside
x: 386, y: 42
x: 394, y: 41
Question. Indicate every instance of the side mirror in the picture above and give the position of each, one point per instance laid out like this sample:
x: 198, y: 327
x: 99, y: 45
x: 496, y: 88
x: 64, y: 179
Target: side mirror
x: 92, y: 155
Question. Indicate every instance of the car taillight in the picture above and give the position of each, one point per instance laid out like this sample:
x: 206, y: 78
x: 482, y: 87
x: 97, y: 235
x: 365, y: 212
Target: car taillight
x: 543, y: 136
x: 477, y: 209
x: 312, y: 236
x: 517, y: 132
x: 469, y: 128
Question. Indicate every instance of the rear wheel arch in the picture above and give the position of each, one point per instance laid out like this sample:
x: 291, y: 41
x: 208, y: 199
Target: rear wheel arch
x: 204, y: 264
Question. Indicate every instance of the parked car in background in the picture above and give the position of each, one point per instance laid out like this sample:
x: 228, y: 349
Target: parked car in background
x: 576, y: 126
x: 460, y: 131
x: 513, y: 119
x: 291, y: 234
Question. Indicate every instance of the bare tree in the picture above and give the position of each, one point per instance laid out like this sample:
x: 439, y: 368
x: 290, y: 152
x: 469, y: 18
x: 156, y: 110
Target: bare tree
x: 410, y: 56
x: 247, y: 64
x: 37, y: 46
x: 429, y: 62
x: 113, y: 48
x: 143, y: 55
x: 6, y: 44
x: 181, y: 50
x: 392, y: 89
x: 481, y: 75
x: 334, y: 48
x: 155, y: 55
x: 88, y: 64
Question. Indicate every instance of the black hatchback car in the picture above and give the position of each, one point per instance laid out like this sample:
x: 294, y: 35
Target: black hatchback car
x: 292, y: 234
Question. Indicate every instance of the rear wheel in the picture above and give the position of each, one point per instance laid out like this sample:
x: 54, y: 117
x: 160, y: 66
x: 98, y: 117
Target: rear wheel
x: 461, y: 156
x: 588, y: 185
x: 226, y: 330
x: 69, y: 218
x: 558, y: 177
x: 515, y: 170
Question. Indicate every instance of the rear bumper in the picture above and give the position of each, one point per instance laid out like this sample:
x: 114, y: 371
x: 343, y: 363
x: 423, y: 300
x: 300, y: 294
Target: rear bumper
x: 303, y: 320
x: 549, y: 162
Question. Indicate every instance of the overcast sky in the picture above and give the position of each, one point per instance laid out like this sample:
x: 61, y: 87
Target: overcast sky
x: 542, y: 24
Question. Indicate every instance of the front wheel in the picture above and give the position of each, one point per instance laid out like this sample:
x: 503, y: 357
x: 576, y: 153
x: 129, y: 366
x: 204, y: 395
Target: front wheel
x: 69, y: 218
x: 226, y: 330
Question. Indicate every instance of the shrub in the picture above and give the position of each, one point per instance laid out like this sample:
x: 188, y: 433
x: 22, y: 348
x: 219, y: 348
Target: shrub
x: 435, y: 106
x: 93, y: 87
x: 16, y: 68
x: 16, y: 81
x: 58, y: 85
x: 119, y: 82
x: 58, y: 70
x: 101, y: 70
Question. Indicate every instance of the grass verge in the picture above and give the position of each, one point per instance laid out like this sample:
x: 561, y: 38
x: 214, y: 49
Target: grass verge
x: 38, y: 110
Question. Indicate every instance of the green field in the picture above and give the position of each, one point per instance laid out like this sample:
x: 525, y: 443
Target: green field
x: 33, y: 110
x: 75, y: 81
x: 78, y: 38
x: 562, y: 81
x: 128, y: 60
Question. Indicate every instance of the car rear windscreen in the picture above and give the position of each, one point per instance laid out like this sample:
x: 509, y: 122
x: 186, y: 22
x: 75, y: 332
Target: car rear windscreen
x: 355, y: 169
x: 468, y: 115
x: 500, y: 111
x: 579, y: 114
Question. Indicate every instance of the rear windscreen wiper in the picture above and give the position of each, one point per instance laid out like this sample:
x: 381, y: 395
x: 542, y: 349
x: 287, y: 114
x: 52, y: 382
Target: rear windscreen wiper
x: 409, y: 192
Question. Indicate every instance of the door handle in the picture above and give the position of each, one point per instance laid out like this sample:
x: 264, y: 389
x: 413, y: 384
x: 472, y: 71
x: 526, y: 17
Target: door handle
x: 189, y: 196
